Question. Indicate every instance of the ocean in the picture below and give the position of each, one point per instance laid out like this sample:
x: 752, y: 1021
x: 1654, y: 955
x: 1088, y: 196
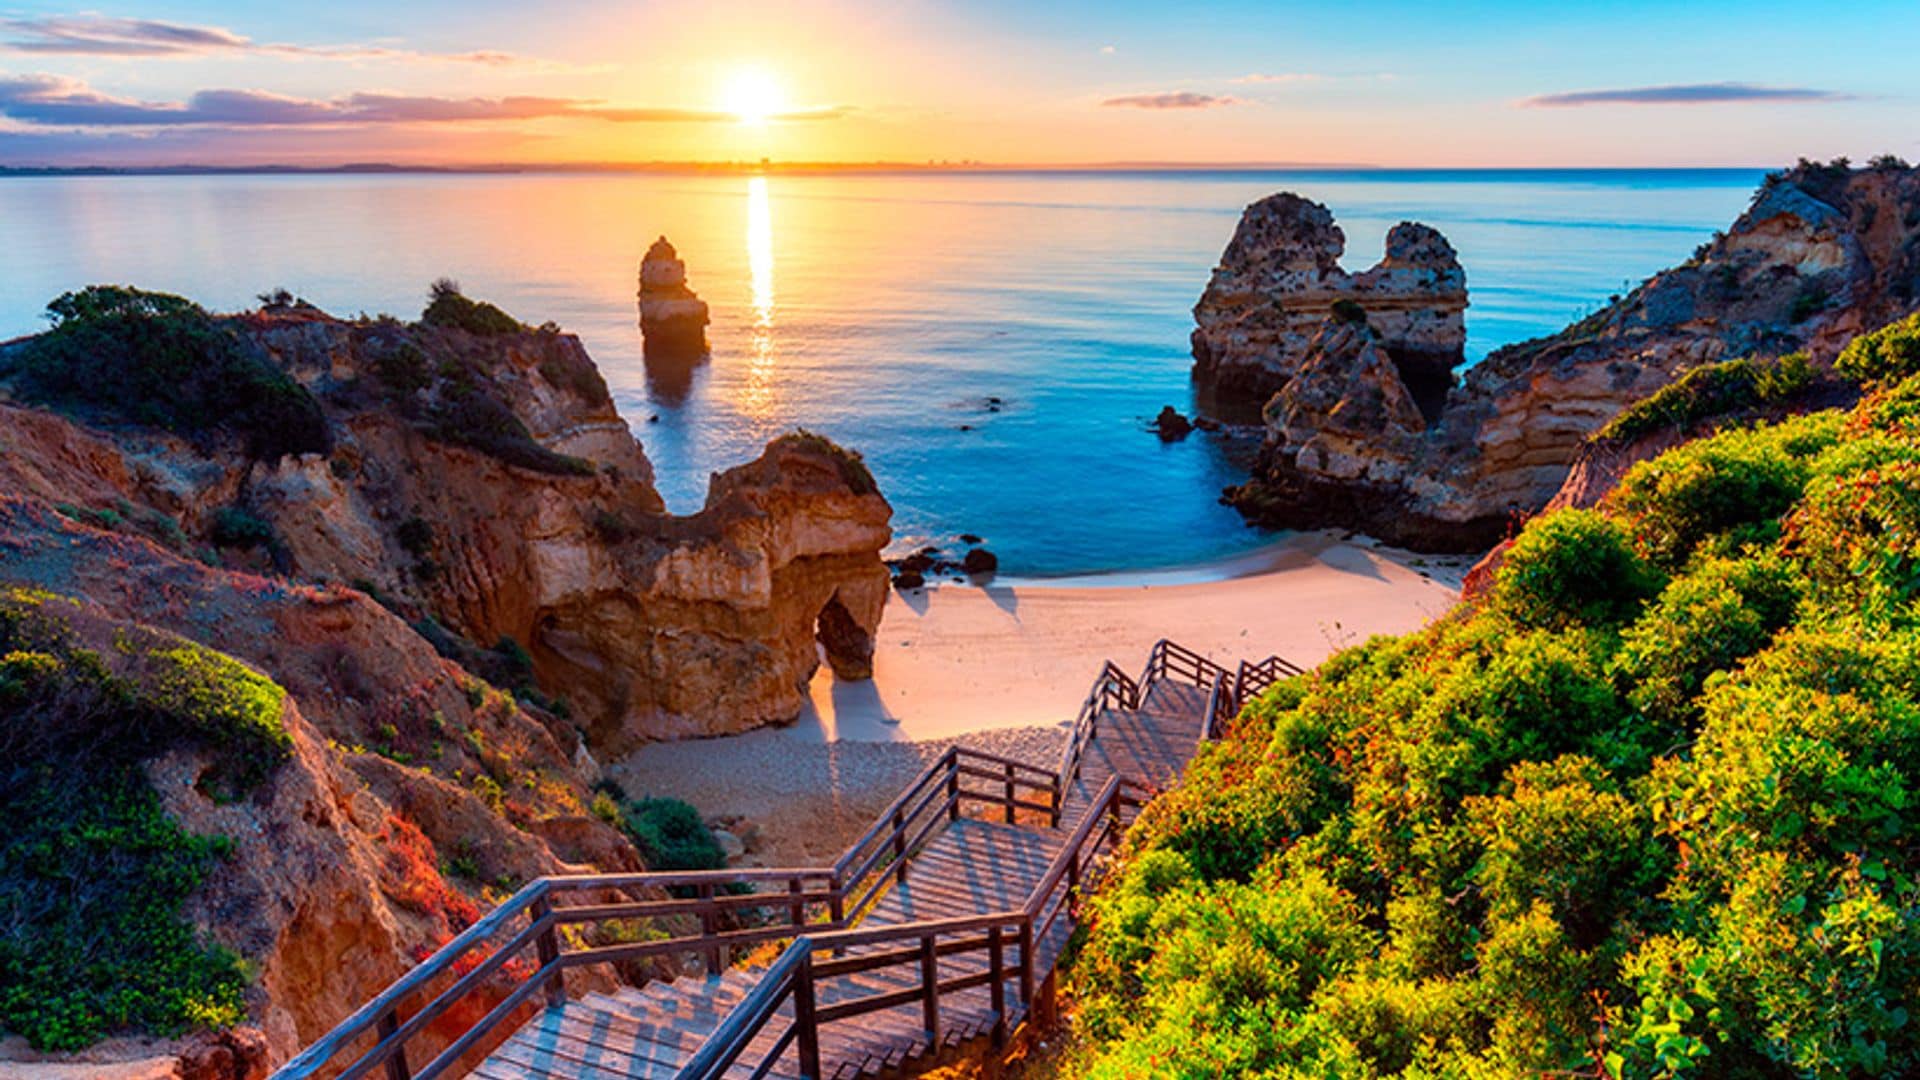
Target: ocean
x: 993, y: 343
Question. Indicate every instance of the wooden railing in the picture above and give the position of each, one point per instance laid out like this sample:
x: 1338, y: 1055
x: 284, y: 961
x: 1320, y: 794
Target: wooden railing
x: 534, y: 935
x: 558, y: 924
x: 917, y: 947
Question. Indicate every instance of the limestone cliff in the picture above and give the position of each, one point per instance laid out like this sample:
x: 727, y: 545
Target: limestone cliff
x: 1822, y: 253
x: 1280, y: 279
x: 461, y: 575
x: 485, y: 484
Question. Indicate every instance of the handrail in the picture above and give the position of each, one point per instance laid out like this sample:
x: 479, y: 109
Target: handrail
x: 859, y: 874
x: 747, y: 1019
x: 938, y: 793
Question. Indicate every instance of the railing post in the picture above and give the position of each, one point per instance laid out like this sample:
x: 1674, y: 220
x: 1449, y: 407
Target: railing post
x: 397, y: 1062
x: 837, y: 906
x: 1009, y: 772
x: 953, y: 790
x: 1026, y: 961
x: 805, y: 1021
x: 899, y: 846
x: 997, y: 976
x: 799, y: 907
x: 930, y: 990
x: 547, y: 947
x: 709, y: 925
x: 1055, y: 798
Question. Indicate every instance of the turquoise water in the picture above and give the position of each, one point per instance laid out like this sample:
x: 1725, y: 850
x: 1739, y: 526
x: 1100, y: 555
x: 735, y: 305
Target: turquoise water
x: 885, y: 310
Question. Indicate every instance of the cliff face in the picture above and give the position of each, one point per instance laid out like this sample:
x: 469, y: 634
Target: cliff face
x: 401, y: 766
x: 1821, y: 254
x: 487, y: 482
x: 479, y: 510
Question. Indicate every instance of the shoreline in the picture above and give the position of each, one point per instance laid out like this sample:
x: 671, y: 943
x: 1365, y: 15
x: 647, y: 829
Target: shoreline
x: 1004, y: 667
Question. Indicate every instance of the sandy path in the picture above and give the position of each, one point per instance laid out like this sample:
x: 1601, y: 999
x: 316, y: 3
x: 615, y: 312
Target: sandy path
x: 1005, y: 667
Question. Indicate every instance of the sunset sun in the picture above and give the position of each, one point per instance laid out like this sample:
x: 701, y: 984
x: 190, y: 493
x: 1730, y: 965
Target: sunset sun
x: 752, y: 95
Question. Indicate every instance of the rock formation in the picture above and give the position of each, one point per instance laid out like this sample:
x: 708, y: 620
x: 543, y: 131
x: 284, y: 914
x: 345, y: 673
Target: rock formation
x: 1822, y: 253
x: 487, y: 484
x: 471, y: 597
x: 1280, y: 279
x: 673, y: 320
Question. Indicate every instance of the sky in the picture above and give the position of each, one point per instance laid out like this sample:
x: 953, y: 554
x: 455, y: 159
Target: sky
x: 1386, y: 83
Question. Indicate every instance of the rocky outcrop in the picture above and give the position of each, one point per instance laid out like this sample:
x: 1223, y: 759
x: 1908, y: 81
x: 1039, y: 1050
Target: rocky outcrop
x: 1280, y: 279
x: 673, y: 320
x: 485, y: 486
x: 401, y: 765
x: 1822, y: 253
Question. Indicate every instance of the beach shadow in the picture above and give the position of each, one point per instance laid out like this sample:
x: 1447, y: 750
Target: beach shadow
x: 917, y: 599
x: 860, y: 715
x: 1350, y: 558
x: 1004, y: 597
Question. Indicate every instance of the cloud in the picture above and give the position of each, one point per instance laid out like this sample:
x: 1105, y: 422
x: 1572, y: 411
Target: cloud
x: 1178, y: 99
x: 57, y: 101
x: 1685, y: 94
x: 1108, y: 50
x: 1281, y: 77
x: 100, y: 35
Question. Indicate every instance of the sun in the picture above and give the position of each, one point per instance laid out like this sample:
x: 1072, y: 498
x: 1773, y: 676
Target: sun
x: 753, y: 96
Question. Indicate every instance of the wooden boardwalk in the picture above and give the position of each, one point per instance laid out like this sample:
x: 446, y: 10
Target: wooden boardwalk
x: 967, y: 867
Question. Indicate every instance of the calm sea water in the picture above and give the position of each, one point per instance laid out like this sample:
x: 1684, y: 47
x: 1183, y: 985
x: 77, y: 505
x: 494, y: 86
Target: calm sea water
x: 887, y: 311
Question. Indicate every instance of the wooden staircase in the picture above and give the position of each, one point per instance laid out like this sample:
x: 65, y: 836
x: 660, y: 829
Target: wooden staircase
x: 935, y: 927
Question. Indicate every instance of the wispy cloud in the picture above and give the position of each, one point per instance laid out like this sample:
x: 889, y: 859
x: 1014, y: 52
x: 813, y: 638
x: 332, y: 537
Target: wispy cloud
x: 1108, y: 50
x: 1178, y: 99
x: 1266, y: 78
x: 106, y: 36
x: 57, y: 101
x: 1281, y: 77
x: 1686, y: 94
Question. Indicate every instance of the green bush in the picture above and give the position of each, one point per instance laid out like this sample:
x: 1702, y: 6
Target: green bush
x: 447, y: 307
x: 853, y: 468
x: 238, y: 527
x: 1732, y: 488
x: 1725, y: 389
x: 1573, y: 566
x: 1569, y: 831
x: 672, y: 836
x: 1704, y: 622
x: 162, y: 361
x: 93, y: 940
x: 1885, y: 356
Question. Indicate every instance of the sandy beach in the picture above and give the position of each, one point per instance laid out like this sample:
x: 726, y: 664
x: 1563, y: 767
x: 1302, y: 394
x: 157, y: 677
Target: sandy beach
x: 1004, y: 667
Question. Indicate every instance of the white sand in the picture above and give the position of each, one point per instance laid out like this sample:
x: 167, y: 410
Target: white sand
x: 955, y: 659
x: 1005, y: 667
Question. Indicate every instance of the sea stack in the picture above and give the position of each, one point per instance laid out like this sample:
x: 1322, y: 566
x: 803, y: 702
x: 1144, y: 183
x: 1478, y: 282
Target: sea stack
x: 1280, y: 278
x: 673, y: 320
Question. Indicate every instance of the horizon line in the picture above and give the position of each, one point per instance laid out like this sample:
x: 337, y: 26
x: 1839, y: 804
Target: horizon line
x: 766, y: 166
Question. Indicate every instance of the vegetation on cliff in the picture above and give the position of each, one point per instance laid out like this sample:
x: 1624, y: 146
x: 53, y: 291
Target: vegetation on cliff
x: 93, y: 873
x: 163, y: 361
x: 1642, y: 810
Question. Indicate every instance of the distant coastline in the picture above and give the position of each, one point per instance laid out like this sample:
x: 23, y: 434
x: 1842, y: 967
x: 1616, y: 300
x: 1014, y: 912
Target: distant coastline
x: 816, y: 168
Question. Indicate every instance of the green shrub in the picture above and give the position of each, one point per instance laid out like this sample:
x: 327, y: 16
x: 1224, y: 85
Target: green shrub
x: 672, y: 836
x: 1724, y: 389
x: 853, y: 468
x: 1733, y: 488
x: 1573, y: 566
x: 1885, y: 356
x: 93, y: 940
x: 448, y: 307
x: 1706, y: 621
x: 1347, y: 311
x: 237, y: 527
x: 162, y: 361
x: 1569, y: 831
x: 468, y: 415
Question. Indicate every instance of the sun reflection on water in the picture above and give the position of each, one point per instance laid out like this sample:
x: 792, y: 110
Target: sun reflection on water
x: 757, y: 396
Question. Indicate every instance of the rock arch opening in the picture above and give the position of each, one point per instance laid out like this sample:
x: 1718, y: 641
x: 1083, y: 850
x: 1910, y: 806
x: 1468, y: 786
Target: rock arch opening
x: 847, y: 645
